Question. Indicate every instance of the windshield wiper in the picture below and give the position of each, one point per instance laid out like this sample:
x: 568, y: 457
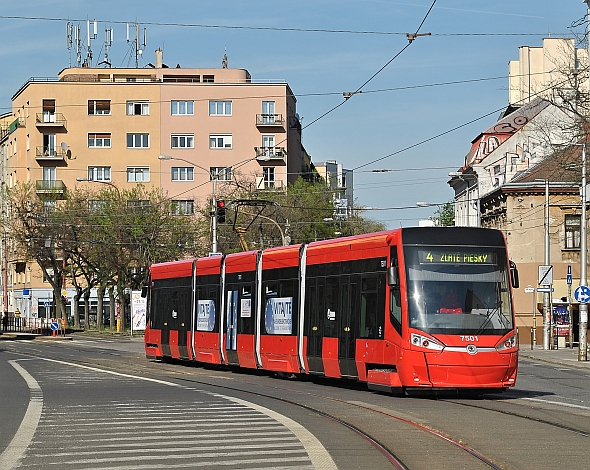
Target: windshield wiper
x: 493, y: 310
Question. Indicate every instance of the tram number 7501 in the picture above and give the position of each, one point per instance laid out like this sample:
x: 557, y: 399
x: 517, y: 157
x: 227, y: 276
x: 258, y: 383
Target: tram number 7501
x: 469, y: 338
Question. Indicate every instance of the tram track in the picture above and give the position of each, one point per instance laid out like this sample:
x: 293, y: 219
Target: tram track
x: 180, y: 372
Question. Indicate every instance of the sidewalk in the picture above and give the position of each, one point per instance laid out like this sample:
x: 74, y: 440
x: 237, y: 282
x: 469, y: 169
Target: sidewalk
x: 565, y: 357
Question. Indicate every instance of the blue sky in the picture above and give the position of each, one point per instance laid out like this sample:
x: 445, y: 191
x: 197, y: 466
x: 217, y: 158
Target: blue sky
x: 320, y: 66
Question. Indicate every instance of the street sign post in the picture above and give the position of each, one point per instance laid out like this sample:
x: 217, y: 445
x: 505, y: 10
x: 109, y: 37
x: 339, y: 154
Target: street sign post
x: 545, y: 275
x: 582, y: 294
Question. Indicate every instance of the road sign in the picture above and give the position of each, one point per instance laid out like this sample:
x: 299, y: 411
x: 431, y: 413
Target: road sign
x: 545, y: 275
x: 529, y: 290
x: 54, y: 326
x: 545, y: 289
x: 568, y: 279
x: 582, y: 294
x: 47, y: 304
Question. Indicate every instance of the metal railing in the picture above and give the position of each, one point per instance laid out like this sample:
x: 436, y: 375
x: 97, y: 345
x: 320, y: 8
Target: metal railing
x: 50, y: 119
x: 270, y: 153
x: 50, y: 153
x: 50, y: 185
x: 270, y: 120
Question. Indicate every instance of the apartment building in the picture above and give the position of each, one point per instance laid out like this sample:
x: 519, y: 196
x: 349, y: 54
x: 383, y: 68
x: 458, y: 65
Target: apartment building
x: 175, y: 128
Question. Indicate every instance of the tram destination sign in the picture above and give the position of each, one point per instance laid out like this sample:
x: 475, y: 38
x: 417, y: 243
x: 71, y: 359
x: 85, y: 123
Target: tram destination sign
x: 456, y: 257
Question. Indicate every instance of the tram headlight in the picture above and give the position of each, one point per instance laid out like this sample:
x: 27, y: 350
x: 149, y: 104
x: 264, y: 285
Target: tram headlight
x: 424, y: 342
x: 507, y: 343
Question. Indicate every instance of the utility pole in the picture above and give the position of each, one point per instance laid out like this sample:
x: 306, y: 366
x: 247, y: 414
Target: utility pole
x: 547, y: 295
x: 583, y: 325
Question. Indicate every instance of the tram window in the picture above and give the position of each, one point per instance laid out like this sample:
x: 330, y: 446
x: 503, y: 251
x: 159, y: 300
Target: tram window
x: 369, y: 306
x: 395, y: 307
x: 246, y: 321
x: 280, y: 307
x: 331, y: 307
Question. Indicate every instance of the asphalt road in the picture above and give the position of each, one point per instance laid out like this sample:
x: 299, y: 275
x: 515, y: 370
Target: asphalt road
x: 105, y: 406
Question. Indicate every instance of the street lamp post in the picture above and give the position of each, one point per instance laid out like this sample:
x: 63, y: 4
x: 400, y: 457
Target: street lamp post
x: 583, y: 325
x: 213, y: 198
x: 119, y: 315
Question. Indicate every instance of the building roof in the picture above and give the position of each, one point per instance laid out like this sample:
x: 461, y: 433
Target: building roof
x: 563, y: 166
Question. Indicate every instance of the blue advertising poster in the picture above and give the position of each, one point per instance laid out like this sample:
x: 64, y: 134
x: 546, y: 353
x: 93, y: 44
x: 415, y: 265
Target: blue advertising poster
x: 561, y: 319
x: 278, y: 316
x: 205, y: 315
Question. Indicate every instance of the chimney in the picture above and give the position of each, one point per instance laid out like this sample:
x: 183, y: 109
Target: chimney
x: 159, y: 57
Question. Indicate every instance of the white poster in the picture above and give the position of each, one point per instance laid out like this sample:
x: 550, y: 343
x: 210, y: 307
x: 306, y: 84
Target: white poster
x: 205, y: 315
x: 278, y: 316
x: 138, y: 311
x: 246, y: 310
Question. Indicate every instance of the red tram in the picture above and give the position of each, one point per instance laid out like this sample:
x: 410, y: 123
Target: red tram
x: 412, y: 308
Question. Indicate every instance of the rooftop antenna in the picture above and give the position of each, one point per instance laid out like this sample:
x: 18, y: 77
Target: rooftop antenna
x: 90, y: 37
x: 108, y: 41
x: 137, y: 42
x: 69, y: 42
x: 224, y: 60
x: 78, y: 42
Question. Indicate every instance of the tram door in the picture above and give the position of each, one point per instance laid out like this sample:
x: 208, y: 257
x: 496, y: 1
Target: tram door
x: 314, y: 307
x: 347, y: 324
x: 231, y: 322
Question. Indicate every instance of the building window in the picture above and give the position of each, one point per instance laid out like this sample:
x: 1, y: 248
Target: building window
x: 138, y: 204
x: 183, y: 141
x: 572, y: 231
x: 183, y: 173
x: 208, y: 78
x: 99, y: 107
x: 138, y: 141
x: 139, y: 174
x: 220, y: 141
x: 183, y: 207
x: 268, y: 112
x: 99, y: 173
x: 219, y: 108
x: 138, y: 108
x: 221, y: 173
x: 99, y: 140
x: 268, y: 176
x: 182, y: 108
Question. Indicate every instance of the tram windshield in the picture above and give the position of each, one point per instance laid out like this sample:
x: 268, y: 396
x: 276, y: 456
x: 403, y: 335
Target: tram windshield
x: 458, y: 290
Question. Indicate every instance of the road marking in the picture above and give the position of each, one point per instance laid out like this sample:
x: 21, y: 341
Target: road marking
x: 317, y: 453
x: 557, y: 403
x: 24, y: 435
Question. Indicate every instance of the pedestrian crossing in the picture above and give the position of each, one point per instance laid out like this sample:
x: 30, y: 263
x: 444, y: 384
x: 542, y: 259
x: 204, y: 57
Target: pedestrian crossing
x: 180, y: 429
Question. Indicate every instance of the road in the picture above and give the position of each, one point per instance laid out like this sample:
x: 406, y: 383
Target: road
x: 95, y: 403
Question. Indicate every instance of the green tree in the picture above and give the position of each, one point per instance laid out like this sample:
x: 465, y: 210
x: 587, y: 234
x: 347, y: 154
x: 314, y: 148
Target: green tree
x: 444, y: 216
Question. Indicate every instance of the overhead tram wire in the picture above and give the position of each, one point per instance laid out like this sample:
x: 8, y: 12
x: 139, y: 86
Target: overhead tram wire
x: 272, y: 28
x: 448, y: 131
x: 329, y: 93
x: 359, y: 89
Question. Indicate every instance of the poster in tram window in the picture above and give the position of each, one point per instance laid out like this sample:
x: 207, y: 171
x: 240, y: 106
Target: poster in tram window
x: 205, y: 315
x: 246, y: 308
x: 138, y: 311
x: 278, y: 316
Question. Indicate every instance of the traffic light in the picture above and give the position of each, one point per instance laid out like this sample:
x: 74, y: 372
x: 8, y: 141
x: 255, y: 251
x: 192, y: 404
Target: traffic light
x: 220, y: 211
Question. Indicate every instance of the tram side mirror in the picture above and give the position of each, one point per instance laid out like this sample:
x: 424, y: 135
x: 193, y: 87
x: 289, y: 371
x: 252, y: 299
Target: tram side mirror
x: 514, y: 275
x: 144, y: 291
x: 392, y: 277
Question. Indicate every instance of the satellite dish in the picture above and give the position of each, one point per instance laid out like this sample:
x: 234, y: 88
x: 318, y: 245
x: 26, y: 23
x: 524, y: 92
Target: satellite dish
x: 64, y: 146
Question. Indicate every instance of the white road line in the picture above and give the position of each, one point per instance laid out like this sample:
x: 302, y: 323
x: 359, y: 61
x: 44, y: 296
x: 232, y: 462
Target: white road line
x: 568, y: 405
x: 318, y: 454
x: 24, y: 435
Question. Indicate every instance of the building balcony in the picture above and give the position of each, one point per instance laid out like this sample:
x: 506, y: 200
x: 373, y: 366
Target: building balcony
x: 270, y: 153
x: 50, y: 154
x: 270, y: 120
x: 51, y: 187
x: 263, y: 185
x: 50, y: 120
